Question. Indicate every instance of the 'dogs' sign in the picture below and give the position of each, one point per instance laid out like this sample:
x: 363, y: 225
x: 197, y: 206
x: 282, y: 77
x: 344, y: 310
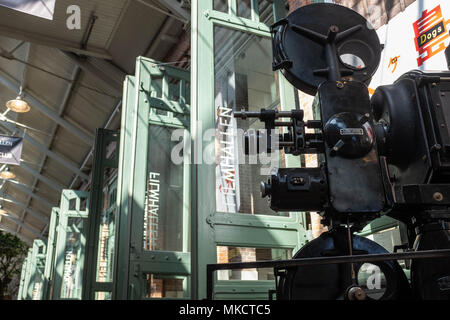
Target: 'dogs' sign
x: 10, y: 150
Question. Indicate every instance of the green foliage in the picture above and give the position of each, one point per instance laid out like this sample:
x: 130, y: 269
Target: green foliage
x: 12, y: 253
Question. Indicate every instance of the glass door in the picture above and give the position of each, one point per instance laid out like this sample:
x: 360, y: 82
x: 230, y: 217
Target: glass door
x: 153, y: 259
x: 232, y: 71
x: 70, y: 245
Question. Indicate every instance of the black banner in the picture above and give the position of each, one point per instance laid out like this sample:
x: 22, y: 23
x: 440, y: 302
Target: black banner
x: 10, y: 149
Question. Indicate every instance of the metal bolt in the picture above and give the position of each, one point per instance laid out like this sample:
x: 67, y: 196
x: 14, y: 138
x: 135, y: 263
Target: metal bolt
x: 438, y: 196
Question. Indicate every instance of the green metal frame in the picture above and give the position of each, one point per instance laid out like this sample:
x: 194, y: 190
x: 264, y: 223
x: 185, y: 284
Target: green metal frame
x: 147, y: 95
x: 32, y: 275
x: 23, y: 276
x: 210, y: 228
x: 38, y: 256
x: 73, y: 216
x: 102, y: 221
x: 27, y: 277
x: 51, y: 250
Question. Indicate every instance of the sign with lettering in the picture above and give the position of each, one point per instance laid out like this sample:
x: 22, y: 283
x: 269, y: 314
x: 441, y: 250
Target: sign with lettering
x: 10, y: 150
x: 414, y: 39
x: 42, y: 8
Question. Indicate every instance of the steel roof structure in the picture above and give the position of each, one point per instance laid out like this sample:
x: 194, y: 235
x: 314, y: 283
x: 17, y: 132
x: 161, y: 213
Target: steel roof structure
x: 72, y: 79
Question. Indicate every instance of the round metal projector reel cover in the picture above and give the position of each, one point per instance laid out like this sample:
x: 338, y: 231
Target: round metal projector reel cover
x: 359, y: 52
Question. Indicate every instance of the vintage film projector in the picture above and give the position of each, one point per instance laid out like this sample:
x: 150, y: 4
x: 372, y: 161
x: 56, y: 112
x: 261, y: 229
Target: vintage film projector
x: 388, y: 154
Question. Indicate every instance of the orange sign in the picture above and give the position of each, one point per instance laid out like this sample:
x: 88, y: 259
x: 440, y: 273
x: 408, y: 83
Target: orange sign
x: 430, y: 32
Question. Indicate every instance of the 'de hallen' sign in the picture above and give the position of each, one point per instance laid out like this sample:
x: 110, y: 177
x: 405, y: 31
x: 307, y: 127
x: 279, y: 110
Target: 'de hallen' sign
x: 10, y: 149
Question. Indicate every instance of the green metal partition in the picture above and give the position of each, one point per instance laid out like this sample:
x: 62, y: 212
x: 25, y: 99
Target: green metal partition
x: 232, y: 70
x: 23, y: 275
x: 27, y: 277
x: 51, y: 254
x: 36, y: 282
x: 100, y: 249
x: 70, y: 245
x: 153, y: 259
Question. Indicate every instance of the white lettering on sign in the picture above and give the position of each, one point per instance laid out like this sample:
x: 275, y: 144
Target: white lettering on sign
x: 68, y: 270
x: 6, y: 155
x: 151, y: 217
x: 227, y: 154
x: 7, y: 143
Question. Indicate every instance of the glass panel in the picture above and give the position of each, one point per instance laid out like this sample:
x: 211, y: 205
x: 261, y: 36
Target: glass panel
x: 243, y: 80
x: 73, y: 204
x: 265, y: 12
x: 163, y: 218
x: 174, y: 89
x: 159, y: 286
x: 240, y: 254
x: 106, y: 236
x: 188, y: 93
x: 244, y: 9
x: 221, y: 5
x: 103, y: 296
x: 38, y: 283
x: 73, y: 264
x: 387, y: 238
x: 156, y: 87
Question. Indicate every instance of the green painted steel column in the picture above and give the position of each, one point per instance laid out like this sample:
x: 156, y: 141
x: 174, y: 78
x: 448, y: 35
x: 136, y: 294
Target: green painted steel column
x: 22, y: 280
x: 50, y: 259
x: 97, y: 276
x: 122, y: 231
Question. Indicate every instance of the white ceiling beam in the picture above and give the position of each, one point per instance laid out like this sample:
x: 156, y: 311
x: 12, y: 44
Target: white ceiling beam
x: 176, y: 8
x: 111, y: 76
x: 72, y: 166
x: 21, y: 236
x: 30, y: 193
x: 58, y: 187
x: 35, y: 214
x: 54, y: 43
x: 14, y: 86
